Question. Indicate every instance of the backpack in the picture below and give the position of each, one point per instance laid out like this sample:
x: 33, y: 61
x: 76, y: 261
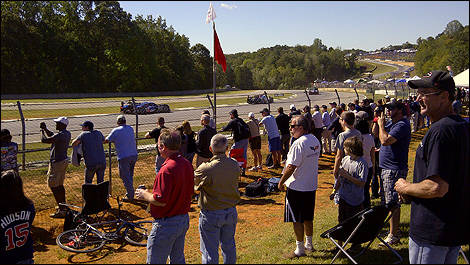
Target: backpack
x: 244, y: 129
x: 256, y: 188
x: 272, y: 185
x: 269, y: 160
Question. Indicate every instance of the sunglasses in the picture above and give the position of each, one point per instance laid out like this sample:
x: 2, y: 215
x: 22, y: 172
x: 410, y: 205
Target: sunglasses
x: 293, y: 125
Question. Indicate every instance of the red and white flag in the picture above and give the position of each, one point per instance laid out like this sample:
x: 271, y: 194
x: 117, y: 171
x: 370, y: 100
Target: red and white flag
x: 219, y: 56
x: 210, y: 14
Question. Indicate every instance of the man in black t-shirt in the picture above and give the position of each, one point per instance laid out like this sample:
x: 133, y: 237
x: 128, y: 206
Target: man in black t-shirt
x: 283, y: 122
x: 440, y: 204
x: 155, y: 133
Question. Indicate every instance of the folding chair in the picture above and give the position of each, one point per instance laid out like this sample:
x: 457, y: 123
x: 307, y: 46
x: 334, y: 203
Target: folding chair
x: 363, y: 227
x: 95, y: 200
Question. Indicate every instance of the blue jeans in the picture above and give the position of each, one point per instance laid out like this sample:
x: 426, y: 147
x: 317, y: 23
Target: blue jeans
x: 422, y: 253
x: 92, y: 170
x: 218, y: 227
x: 167, y: 240
x: 126, y: 172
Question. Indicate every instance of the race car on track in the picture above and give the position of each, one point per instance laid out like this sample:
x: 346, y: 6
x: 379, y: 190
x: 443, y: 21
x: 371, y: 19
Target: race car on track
x: 259, y: 99
x: 144, y: 108
x: 313, y: 91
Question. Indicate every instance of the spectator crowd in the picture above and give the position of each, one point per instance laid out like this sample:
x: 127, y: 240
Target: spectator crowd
x: 369, y: 142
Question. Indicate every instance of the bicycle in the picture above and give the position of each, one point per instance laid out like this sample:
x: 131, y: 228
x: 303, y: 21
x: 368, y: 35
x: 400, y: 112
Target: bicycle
x: 87, y: 237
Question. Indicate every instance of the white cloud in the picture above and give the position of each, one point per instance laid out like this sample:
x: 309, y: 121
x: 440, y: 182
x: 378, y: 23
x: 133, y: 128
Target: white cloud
x: 230, y: 7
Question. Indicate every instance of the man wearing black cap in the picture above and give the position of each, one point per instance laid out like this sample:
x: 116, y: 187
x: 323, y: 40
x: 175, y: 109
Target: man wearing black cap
x: 240, y: 131
x: 93, y: 152
x: 333, y: 114
x: 440, y: 205
x: 395, y: 138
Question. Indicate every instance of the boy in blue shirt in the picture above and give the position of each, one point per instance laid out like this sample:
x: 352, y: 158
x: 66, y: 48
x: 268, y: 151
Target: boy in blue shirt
x: 352, y: 178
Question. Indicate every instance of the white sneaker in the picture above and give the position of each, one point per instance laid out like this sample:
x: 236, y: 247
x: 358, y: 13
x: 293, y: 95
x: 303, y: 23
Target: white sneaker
x: 253, y: 169
x: 391, y: 240
x: 309, y: 247
x: 259, y: 167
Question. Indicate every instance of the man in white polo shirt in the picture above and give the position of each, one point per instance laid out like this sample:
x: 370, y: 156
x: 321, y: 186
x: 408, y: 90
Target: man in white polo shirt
x: 300, y: 176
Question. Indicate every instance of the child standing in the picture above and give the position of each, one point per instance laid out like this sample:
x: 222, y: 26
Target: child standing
x: 352, y: 178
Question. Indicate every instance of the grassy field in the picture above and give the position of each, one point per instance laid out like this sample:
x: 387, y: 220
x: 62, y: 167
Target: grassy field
x: 261, y: 237
x: 96, y: 109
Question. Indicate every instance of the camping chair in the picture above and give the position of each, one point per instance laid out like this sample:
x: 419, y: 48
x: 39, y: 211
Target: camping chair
x: 363, y: 227
x: 95, y: 201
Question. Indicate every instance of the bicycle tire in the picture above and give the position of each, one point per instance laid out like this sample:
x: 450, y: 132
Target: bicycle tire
x: 77, y: 240
x: 139, y: 233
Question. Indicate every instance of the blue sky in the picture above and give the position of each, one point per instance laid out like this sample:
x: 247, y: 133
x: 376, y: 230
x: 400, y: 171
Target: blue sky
x: 246, y: 26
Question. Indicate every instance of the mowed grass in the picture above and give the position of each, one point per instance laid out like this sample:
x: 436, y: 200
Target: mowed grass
x: 94, y: 108
x: 380, y: 67
x: 262, y: 236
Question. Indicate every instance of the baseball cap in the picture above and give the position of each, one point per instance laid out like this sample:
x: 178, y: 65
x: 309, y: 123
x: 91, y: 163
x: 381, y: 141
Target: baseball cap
x: 251, y: 115
x: 88, y: 124
x: 396, y: 105
x: 324, y: 106
x: 121, y: 119
x: 234, y: 112
x: 264, y: 110
x: 333, y: 103
x: 435, y: 79
x: 62, y: 120
x: 292, y: 106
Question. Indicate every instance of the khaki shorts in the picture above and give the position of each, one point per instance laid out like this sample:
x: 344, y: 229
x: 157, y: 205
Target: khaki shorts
x: 56, y: 173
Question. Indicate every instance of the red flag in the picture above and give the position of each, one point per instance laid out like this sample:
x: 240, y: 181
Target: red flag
x: 218, y: 53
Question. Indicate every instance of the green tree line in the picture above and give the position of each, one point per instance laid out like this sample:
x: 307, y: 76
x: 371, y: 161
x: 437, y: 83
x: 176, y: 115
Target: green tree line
x: 451, y: 47
x: 94, y: 46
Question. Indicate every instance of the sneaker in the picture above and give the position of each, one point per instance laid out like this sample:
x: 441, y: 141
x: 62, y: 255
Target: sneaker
x: 58, y: 214
x: 126, y: 199
x: 292, y: 255
x: 272, y: 167
x: 391, y: 240
x: 255, y: 168
x: 309, y: 248
x: 259, y: 167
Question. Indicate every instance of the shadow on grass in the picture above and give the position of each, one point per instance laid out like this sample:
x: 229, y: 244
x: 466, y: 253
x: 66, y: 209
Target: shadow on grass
x: 42, y: 238
x: 256, y: 201
x: 99, y: 254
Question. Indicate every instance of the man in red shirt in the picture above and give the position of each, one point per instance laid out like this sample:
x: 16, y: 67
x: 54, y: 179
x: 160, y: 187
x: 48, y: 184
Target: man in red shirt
x: 170, y: 202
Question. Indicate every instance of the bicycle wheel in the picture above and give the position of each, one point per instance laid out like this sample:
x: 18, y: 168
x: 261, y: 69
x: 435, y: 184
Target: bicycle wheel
x: 80, y: 240
x: 138, y: 233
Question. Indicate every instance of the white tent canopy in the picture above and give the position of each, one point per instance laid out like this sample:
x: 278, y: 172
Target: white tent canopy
x: 374, y: 82
x: 349, y: 81
x: 461, y: 79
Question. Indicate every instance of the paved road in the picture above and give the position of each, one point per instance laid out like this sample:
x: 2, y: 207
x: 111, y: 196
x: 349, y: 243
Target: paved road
x: 398, y: 68
x: 106, y: 122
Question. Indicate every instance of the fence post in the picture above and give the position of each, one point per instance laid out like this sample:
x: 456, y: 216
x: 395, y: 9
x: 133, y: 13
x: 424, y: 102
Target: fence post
x: 308, y: 98
x: 136, y: 122
x: 269, y: 104
x: 23, y: 134
x: 110, y: 172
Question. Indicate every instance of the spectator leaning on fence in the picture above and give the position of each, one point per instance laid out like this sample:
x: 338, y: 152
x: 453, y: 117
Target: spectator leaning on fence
x: 170, y: 202
x: 9, y: 152
x: 217, y: 180
x: 190, y: 136
x: 440, y: 203
x: 155, y: 133
x: 274, y: 139
x: 236, y: 125
x: 395, y: 138
x: 58, y: 161
x: 211, y: 122
x: 203, y: 141
x: 93, y: 152
x: 124, y: 140
x: 300, y: 176
x: 17, y: 214
x: 317, y: 125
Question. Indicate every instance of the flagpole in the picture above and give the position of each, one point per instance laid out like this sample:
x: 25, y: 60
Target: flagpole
x: 213, y: 76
